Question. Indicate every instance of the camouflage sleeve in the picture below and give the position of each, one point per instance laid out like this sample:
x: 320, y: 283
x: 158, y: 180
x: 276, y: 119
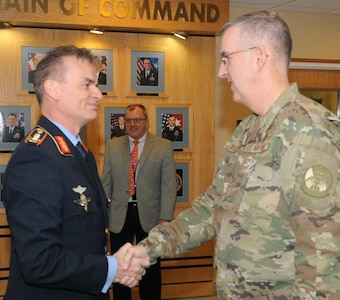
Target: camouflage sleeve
x: 190, y: 229
x: 310, y: 169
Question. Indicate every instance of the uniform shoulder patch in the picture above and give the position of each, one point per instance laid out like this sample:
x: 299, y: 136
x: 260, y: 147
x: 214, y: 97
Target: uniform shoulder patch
x: 317, y: 181
x: 62, y: 145
x: 37, y: 136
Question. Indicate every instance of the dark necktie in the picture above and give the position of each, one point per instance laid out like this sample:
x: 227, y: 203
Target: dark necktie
x: 82, y: 150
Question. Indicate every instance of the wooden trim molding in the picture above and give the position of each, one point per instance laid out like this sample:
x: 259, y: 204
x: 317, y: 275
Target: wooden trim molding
x: 314, y: 64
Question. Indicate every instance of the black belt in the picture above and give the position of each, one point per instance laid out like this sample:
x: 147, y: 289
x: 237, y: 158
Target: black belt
x: 133, y: 203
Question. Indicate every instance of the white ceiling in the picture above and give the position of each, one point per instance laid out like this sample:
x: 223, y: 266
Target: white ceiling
x: 317, y: 6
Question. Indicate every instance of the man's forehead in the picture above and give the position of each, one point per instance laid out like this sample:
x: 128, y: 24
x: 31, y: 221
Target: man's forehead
x: 229, y: 41
x: 135, y: 111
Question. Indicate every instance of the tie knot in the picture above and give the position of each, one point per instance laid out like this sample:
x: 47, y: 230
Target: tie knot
x: 135, y: 143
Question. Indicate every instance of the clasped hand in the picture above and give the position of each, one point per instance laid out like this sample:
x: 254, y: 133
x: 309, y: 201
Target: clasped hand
x: 132, y: 262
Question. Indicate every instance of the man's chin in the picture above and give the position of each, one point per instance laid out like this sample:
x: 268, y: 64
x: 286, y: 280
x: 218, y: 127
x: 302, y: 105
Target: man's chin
x: 92, y: 117
x: 236, y: 97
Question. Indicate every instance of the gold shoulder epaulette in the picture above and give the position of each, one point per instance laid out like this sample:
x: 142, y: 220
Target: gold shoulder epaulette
x: 39, y: 134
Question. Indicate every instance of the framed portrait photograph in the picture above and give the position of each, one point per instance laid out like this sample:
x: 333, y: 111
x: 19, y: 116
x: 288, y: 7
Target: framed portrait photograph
x: 147, y: 72
x: 182, y: 180
x: 104, y: 68
x: 30, y: 58
x: 15, y: 123
x: 173, y: 124
x: 114, y: 122
x: 2, y: 174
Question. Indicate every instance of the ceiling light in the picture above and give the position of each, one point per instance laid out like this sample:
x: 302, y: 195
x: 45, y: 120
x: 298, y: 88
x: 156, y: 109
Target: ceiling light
x: 182, y: 35
x: 96, y: 30
x: 5, y: 25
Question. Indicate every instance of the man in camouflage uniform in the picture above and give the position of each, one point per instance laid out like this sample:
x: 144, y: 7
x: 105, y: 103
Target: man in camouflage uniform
x: 274, y: 204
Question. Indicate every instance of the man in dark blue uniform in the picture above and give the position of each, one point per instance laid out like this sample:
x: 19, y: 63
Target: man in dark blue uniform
x: 58, y: 212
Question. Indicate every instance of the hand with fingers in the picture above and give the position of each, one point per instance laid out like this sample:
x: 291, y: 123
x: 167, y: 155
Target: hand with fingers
x: 132, y: 262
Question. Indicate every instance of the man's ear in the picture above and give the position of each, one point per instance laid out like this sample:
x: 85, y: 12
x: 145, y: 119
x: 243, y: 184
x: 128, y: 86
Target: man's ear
x: 262, y: 56
x: 51, y: 89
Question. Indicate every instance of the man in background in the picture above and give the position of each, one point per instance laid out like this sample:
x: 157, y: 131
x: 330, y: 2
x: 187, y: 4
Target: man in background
x: 139, y: 178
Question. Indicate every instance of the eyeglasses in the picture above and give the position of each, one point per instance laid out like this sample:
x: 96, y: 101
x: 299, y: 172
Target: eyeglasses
x: 137, y: 120
x: 225, y: 57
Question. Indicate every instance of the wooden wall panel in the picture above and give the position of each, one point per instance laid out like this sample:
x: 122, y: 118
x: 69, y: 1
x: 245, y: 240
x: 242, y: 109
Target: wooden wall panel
x: 4, y: 252
x: 315, y: 79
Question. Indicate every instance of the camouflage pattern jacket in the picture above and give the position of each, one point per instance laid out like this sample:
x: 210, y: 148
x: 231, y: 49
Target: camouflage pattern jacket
x: 274, y: 207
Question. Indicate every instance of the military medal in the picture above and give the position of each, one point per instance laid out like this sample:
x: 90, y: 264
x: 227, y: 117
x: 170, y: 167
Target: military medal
x: 83, y: 200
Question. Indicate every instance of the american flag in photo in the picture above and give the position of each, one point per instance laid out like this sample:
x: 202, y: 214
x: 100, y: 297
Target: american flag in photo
x: 21, y: 119
x: 165, y: 120
x: 114, y: 120
x: 179, y: 120
x: 2, y: 119
x: 140, y: 68
x: 30, y: 64
x: 32, y: 57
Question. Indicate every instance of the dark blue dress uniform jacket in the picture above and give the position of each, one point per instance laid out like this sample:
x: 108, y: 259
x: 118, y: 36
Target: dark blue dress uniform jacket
x: 58, y: 249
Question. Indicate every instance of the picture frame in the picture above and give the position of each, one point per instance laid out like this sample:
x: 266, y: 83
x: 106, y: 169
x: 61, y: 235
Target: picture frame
x: 179, y: 137
x: 31, y: 56
x: 111, y: 116
x: 9, y: 141
x: 142, y: 84
x: 2, y: 174
x: 182, y: 180
x: 105, y: 78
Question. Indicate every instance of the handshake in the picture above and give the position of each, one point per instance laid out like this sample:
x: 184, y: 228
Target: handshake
x: 132, y: 262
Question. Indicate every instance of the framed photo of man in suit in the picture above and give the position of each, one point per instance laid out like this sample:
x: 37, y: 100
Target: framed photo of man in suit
x: 15, y: 123
x: 147, y: 72
x: 114, y: 122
